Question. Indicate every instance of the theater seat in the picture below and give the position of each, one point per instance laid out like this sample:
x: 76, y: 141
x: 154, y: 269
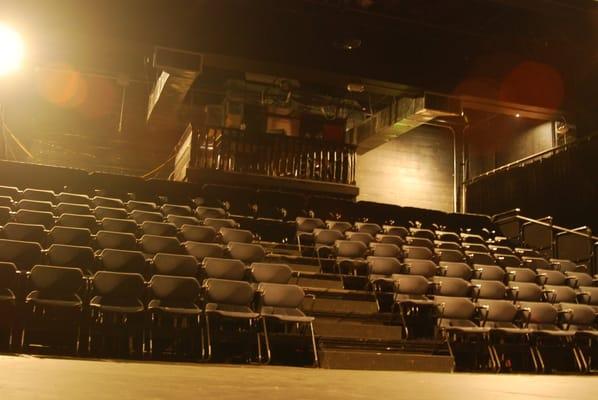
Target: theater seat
x: 55, y: 306
x: 115, y: 240
x: 70, y: 236
x: 116, y: 260
x: 23, y: 254
x: 25, y: 232
x: 224, y: 268
x: 175, y: 265
x: 44, y: 218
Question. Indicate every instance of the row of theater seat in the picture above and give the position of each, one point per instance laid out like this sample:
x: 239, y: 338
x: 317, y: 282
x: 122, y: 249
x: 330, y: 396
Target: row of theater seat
x: 62, y: 301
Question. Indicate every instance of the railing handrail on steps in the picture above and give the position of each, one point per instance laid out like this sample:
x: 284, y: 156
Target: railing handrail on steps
x: 514, y: 214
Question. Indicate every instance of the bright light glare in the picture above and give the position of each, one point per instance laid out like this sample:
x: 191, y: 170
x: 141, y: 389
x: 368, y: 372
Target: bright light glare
x: 11, y: 50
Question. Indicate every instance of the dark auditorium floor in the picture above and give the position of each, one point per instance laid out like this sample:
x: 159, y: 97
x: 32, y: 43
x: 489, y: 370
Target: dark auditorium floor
x: 26, y: 377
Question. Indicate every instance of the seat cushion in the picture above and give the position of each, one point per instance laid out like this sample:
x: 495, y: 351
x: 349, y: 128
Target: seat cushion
x: 231, y: 310
x: 123, y: 306
x: 285, y: 314
x: 173, y: 307
x: 38, y: 298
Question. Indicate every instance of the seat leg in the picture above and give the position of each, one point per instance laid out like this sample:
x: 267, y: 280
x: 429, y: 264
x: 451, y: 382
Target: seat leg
x: 314, y: 345
x: 202, y: 338
x: 267, y: 340
x: 208, y: 339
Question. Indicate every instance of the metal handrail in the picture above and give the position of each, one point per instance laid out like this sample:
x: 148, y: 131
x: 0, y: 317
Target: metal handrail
x: 524, y: 160
x: 556, y: 227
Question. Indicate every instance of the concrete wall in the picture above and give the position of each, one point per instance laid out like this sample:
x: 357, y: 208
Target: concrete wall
x: 415, y: 169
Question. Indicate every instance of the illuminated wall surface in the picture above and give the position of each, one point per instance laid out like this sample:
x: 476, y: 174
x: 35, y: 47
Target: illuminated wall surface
x: 415, y: 169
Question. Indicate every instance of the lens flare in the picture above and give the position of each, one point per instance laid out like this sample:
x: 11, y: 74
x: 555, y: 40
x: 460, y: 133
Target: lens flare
x: 11, y: 50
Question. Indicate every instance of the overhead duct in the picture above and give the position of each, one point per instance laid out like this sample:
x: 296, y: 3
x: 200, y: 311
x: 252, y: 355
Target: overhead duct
x: 177, y: 70
x: 402, y: 116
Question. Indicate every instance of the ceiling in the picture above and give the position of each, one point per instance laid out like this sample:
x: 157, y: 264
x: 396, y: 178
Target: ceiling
x: 538, y: 52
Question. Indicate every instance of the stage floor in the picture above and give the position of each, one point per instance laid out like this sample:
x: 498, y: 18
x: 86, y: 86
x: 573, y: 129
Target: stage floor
x: 26, y: 377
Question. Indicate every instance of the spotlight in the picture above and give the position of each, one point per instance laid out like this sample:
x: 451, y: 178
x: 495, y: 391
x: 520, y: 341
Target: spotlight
x: 11, y: 50
x: 517, y: 115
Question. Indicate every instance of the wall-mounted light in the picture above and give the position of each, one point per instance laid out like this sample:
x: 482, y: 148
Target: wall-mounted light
x: 517, y: 115
x: 12, y: 50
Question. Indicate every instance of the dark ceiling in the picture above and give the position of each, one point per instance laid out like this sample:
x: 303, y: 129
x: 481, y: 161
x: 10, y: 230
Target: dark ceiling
x: 539, y: 52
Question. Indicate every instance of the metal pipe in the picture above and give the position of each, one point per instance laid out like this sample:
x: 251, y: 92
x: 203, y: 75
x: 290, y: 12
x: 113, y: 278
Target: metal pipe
x: 455, y: 180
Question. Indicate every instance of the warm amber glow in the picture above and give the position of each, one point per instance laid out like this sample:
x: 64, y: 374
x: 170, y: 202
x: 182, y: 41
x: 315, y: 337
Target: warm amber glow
x: 11, y: 50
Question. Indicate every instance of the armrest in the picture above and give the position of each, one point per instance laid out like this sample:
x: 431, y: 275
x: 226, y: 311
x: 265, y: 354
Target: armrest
x: 313, y: 301
x: 572, y: 281
x: 565, y: 316
x: 542, y: 279
x: 526, y: 314
x: 549, y: 295
x: 483, y: 311
x: 583, y: 297
x: 475, y: 291
x: 513, y: 292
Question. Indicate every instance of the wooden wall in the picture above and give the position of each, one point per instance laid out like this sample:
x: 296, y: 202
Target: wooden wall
x: 415, y: 169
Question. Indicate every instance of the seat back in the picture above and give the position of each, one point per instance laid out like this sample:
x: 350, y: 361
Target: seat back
x: 383, y: 265
x: 489, y: 272
x: 209, y: 212
x: 456, y: 269
x: 499, y: 310
x: 158, y: 228
x: 541, y: 313
x: 225, y: 291
x: 175, y: 264
x: 202, y: 250
x: 448, y: 286
x: 23, y: 254
x: 281, y: 295
x: 197, y: 233
x: 522, y: 274
x: 327, y: 236
x: 70, y: 208
x: 271, y: 273
x: 116, y: 240
x: 180, y: 220
x: 24, y: 232
x: 224, y: 268
x: 70, y: 236
x: 153, y: 244
x: 560, y: 294
x: 8, y: 275
x: 176, y: 209
x: 490, y: 289
x: 527, y: 291
x: 411, y: 284
x: 386, y: 250
x: 236, y: 235
x: 246, y: 252
x: 110, y: 212
x: 350, y: 249
x: 119, y: 225
x: 123, y: 261
x: 449, y: 255
x: 56, y: 282
x: 368, y: 227
x: 174, y: 288
x: 65, y: 255
x: 425, y: 268
x: 308, y: 225
x: 418, y: 252
x: 219, y: 223
x: 457, y: 308
x: 118, y: 285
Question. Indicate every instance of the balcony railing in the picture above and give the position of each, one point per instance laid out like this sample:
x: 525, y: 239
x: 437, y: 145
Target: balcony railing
x: 274, y: 155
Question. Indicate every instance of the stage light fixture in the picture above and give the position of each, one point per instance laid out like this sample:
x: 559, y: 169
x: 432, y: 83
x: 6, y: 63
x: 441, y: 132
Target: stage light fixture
x: 12, y: 50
